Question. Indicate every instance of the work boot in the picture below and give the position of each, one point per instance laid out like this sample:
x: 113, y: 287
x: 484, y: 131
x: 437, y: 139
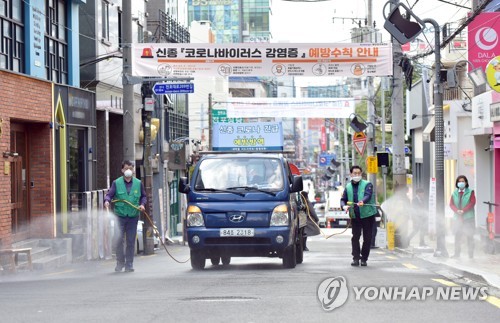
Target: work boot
x: 355, y: 263
x: 363, y: 263
x: 119, y: 267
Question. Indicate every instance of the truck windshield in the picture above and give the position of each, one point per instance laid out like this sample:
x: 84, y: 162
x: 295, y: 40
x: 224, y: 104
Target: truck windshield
x: 235, y: 173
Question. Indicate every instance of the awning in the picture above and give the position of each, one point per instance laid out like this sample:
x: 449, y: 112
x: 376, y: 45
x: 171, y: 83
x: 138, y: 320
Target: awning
x: 428, y: 134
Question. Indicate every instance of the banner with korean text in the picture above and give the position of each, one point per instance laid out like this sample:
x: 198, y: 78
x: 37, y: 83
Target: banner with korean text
x: 251, y: 136
x: 261, y: 59
x: 289, y: 107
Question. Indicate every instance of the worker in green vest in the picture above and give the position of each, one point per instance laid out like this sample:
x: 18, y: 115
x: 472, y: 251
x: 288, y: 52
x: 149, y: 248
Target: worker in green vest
x: 462, y: 203
x: 129, y: 198
x: 358, y: 199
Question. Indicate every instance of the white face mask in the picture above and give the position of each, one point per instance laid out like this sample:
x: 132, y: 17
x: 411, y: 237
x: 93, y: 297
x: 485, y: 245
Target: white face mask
x: 356, y: 178
x: 461, y: 185
x: 128, y: 173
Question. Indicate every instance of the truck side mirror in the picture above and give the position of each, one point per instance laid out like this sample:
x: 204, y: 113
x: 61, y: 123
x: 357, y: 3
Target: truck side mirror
x: 184, y: 185
x: 297, y: 184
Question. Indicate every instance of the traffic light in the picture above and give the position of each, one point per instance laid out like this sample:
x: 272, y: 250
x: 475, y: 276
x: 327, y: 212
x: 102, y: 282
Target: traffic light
x: 331, y: 170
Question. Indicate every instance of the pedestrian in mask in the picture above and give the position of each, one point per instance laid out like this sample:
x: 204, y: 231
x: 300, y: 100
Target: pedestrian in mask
x: 462, y: 203
x: 129, y: 198
x: 358, y: 199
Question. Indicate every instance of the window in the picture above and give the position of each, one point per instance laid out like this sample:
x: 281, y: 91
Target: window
x: 105, y: 20
x: 56, y: 47
x: 140, y: 34
x: 120, y: 40
x: 12, y: 36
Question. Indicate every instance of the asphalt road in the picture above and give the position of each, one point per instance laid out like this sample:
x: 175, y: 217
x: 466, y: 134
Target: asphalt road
x: 250, y: 290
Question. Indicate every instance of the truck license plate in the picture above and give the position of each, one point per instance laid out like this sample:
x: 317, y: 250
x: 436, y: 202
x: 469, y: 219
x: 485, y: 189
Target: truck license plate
x: 240, y: 232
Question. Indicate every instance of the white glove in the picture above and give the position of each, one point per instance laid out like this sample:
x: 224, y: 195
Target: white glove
x: 346, y: 207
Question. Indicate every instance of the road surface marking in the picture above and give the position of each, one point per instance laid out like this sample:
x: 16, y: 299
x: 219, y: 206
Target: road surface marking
x: 444, y: 282
x: 493, y: 300
x: 391, y: 257
x: 60, y: 272
x: 410, y: 266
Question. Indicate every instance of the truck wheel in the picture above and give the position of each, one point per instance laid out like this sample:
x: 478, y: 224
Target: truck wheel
x: 226, y: 260
x: 197, y: 260
x: 215, y: 260
x: 300, y: 247
x: 290, y: 256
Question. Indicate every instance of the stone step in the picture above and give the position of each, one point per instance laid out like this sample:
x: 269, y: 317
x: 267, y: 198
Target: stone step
x: 30, y: 243
x: 36, y: 253
x: 49, y: 262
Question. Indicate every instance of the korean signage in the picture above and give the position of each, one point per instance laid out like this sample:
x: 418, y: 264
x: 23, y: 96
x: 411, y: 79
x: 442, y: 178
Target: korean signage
x: 495, y: 111
x: 221, y: 116
x: 79, y: 105
x: 253, y: 136
x: 325, y: 159
x: 261, y: 59
x: 164, y: 88
x: 289, y: 107
x: 484, y: 34
x: 36, y: 31
x: 176, y: 155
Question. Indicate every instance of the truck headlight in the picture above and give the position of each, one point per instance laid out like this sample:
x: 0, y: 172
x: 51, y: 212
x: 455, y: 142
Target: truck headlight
x: 194, y: 217
x: 280, y: 216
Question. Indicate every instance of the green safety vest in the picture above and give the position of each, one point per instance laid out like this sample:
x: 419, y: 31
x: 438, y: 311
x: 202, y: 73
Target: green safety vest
x: 364, y: 211
x: 123, y: 208
x: 465, y: 200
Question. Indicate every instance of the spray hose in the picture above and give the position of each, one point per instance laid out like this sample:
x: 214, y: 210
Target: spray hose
x: 346, y: 211
x: 322, y: 233
x: 155, y: 229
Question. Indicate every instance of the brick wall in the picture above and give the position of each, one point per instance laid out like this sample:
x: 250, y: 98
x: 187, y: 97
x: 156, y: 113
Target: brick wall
x: 29, y: 101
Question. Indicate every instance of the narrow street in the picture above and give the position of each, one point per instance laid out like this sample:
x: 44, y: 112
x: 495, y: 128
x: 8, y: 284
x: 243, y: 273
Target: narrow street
x: 248, y: 290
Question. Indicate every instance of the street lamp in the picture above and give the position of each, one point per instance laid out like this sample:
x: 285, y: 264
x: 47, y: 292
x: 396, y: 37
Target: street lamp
x: 356, y: 125
x: 477, y: 76
x: 398, y: 31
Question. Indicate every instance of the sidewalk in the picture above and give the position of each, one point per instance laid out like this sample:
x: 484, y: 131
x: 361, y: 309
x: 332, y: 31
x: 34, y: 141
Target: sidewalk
x: 484, y: 265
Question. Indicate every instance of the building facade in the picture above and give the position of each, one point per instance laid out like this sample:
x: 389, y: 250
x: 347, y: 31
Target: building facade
x: 234, y: 21
x: 39, y: 59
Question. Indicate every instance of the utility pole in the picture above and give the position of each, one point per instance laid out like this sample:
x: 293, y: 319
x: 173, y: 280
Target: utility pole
x: 346, y: 153
x: 128, y: 87
x: 398, y: 140
x: 439, y: 144
x: 382, y: 125
x: 148, y: 107
x: 210, y: 121
x: 372, y: 178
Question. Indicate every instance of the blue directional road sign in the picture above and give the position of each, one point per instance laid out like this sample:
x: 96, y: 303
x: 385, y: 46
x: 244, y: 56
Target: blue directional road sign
x: 166, y: 88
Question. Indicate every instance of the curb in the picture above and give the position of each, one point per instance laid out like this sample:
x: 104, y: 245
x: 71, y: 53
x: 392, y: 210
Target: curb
x: 491, y: 279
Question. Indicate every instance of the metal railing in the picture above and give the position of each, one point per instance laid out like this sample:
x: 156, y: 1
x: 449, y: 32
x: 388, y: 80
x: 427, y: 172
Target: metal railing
x: 88, y: 218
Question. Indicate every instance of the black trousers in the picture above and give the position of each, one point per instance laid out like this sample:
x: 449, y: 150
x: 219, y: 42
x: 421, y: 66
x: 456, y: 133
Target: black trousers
x: 364, y: 226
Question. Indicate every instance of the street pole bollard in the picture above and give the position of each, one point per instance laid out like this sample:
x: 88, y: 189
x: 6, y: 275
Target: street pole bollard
x: 150, y: 242
x: 390, y: 235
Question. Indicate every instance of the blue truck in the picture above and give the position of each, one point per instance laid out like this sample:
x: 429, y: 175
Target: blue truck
x: 243, y: 205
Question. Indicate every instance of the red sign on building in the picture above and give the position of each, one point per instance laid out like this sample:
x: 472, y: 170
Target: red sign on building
x: 484, y: 43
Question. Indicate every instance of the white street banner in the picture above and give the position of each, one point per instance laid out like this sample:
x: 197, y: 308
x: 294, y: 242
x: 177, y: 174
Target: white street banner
x: 261, y: 59
x: 289, y: 107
